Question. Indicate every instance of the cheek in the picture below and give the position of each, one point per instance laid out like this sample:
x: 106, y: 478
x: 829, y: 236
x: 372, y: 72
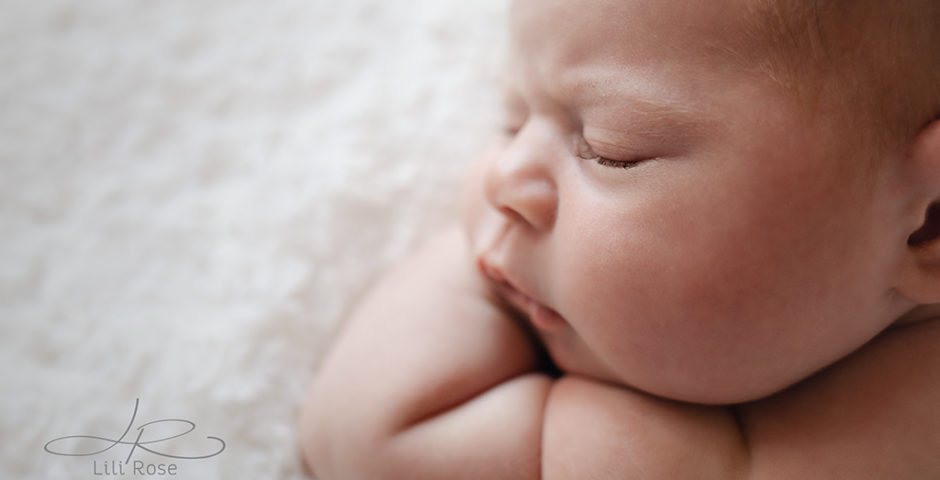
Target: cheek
x: 710, y: 244
x: 652, y: 272
x: 644, y: 282
x: 729, y: 280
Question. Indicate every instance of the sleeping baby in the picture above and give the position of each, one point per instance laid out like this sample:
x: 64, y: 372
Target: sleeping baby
x: 706, y: 247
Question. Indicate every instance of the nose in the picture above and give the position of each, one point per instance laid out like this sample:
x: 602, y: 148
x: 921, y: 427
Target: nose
x: 519, y: 183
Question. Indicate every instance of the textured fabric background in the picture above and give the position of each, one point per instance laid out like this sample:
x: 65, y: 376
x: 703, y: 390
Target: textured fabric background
x: 194, y: 192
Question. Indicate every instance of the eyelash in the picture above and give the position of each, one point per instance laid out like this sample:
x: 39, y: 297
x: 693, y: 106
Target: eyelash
x: 625, y: 164
x: 607, y: 162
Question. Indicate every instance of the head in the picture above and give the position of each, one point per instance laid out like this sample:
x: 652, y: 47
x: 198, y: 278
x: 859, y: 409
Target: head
x: 717, y: 197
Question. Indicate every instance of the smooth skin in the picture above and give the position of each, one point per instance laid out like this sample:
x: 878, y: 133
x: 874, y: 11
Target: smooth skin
x: 723, y: 267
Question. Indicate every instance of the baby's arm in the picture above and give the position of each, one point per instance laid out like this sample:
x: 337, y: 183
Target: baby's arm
x: 430, y: 380
x: 595, y: 430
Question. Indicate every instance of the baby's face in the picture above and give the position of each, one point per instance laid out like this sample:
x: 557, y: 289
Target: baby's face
x: 667, y: 214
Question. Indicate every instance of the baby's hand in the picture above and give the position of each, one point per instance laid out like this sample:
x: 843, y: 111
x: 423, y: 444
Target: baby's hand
x: 431, y: 379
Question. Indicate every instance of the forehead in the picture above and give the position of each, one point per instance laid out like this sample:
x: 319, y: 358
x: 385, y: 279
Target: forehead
x: 614, y: 28
x: 562, y: 40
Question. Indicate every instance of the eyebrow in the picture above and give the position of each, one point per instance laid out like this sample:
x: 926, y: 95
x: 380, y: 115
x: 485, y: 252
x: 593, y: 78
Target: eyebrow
x: 638, y: 109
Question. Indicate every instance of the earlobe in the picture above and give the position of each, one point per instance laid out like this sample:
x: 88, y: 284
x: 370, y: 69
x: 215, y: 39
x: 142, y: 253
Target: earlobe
x: 929, y: 232
x: 921, y: 276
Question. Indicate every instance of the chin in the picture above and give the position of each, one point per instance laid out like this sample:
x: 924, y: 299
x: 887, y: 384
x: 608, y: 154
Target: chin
x: 699, y: 383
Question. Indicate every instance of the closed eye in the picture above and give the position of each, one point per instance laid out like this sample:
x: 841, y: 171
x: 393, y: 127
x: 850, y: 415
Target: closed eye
x: 586, y: 152
x: 607, y: 162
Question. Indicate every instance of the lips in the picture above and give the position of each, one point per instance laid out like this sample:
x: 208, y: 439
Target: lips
x: 539, y: 314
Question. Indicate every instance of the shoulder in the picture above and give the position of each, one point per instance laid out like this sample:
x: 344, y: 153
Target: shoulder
x: 872, y: 415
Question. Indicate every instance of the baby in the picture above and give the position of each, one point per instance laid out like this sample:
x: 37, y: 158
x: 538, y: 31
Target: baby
x: 708, y: 247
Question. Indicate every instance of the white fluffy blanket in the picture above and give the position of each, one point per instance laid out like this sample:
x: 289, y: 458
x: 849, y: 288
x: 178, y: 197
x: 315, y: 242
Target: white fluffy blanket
x: 192, y: 195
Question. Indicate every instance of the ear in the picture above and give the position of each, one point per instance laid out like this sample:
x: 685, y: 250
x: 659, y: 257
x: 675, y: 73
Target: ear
x: 920, y: 280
